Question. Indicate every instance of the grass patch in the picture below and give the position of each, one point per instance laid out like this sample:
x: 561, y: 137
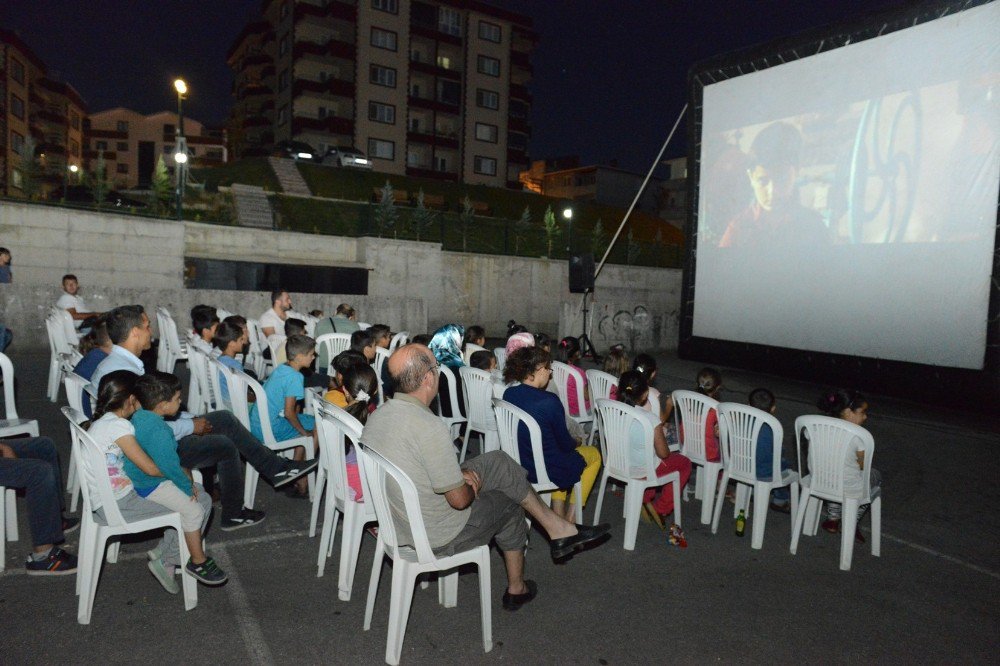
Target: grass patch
x: 249, y: 171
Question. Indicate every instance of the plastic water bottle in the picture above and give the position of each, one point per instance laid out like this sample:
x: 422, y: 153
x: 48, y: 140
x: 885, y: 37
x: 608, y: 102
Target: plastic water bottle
x: 741, y: 523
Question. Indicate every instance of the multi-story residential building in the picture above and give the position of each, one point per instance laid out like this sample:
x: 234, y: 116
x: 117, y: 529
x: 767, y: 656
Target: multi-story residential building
x: 37, y: 114
x: 131, y: 144
x: 434, y: 88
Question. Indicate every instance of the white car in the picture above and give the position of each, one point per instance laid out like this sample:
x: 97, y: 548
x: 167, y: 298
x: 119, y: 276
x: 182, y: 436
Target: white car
x: 347, y: 157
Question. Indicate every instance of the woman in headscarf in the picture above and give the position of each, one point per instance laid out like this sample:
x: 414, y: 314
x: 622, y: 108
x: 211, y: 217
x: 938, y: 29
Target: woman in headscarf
x: 446, y: 345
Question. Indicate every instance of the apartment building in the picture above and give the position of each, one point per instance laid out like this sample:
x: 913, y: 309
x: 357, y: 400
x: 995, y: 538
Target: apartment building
x: 433, y: 89
x: 132, y: 142
x: 36, y: 112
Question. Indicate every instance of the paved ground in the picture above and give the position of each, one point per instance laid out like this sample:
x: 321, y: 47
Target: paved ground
x: 931, y: 596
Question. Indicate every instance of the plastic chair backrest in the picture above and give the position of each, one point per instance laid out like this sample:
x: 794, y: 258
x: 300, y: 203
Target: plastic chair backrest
x: 275, y: 343
x: 94, y: 480
x: 198, y: 363
x: 56, y: 331
x: 560, y: 375
x: 7, y: 374
x: 477, y: 386
x: 309, y: 320
x: 691, y: 416
x: 168, y: 331
x: 510, y: 418
x: 739, y: 430
x: 501, y: 355
x: 241, y: 383
x: 381, y: 356
x: 831, y: 440
x: 226, y: 376
x: 76, y: 391
x: 223, y: 314
x: 617, y: 421
x: 214, y: 383
x: 399, y: 340
x: 448, y: 375
x: 255, y: 336
x: 378, y: 470
x: 600, y: 384
x: 68, y: 326
x: 333, y: 343
x: 335, y: 430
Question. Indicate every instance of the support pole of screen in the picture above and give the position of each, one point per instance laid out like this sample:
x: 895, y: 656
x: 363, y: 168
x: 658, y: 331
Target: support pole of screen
x: 586, y: 346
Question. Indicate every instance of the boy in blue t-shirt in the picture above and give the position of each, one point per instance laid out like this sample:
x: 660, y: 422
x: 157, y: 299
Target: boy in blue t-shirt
x: 159, y: 393
x: 284, y: 389
x: 765, y: 401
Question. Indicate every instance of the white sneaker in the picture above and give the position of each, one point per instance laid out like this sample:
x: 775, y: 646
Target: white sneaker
x: 161, y: 574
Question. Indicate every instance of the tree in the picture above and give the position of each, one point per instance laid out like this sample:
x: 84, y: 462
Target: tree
x: 632, y: 249
x: 465, y: 218
x: 552, y: 230
x: 160, y: 187
x: 421, y: 216
x: 31, y: 170
x: 386, y: 215
x: 598, y: 239
x: 100, y: 180
x: 521, y: 228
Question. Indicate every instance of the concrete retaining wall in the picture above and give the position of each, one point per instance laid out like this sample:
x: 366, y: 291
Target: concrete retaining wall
x: 412, y: 286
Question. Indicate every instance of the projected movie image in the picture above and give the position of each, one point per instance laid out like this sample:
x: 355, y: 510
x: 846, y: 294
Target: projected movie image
x: 848, y: 200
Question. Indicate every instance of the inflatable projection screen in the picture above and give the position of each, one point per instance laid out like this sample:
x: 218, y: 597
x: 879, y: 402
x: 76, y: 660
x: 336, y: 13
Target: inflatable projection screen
x: 843, y: 205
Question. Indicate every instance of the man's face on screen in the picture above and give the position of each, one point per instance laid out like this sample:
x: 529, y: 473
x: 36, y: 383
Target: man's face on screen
x: 772, y: 186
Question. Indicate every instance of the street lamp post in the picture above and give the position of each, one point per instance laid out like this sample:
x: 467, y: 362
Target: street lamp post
x: 72, y: 168
x: 180, y: 154
x: 568, y: 216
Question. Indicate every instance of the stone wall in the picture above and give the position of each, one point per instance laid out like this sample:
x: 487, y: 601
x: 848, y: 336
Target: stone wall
x: 412, y: 285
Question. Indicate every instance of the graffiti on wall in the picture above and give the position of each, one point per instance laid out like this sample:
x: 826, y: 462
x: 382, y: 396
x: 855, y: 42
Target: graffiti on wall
x: 632, y: 328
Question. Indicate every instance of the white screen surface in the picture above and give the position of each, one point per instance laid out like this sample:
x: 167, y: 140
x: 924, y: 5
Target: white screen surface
x: 848, y: 200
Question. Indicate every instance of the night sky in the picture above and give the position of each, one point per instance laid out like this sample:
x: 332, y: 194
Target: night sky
x: 609, y: 76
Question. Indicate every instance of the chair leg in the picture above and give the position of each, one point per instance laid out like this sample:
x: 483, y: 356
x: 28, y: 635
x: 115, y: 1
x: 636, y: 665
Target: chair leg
x: 761, y: 495
x: 399, y: 611
x: 250, y: 487
x: 793, y: 490
x: 711, y: 479
x: 52, y: 389
x: 742, y: 500
x: 799, y: 520
x: 633, y: 505
x: 3, y: 534
x: 719, y: 501
x: 676, y: 483
x: 600, y: 496
x: 485, y: 605
x: 465, y: 445
x: 699, y: 482
x: 88, y: 590
x: 327, y: 536
x: 876, y: 513
x: 189, y: 585
x: 848, y: 525
x: 10, y: 507
x: 351, y: 538
x: 113, y: 549
x: 812, y: 509
x: 373, y: 582
x: 357, y: 536
x: 448, y: 589
x: 317, y: 499
x: 84, y: 549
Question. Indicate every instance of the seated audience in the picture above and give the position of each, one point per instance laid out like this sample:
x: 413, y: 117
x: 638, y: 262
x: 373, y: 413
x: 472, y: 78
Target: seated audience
x: 518, y: 341
x: 645, y: 365
x: 765, y: 401
x: 566, y: 461
x: 475, y: 340
x: 615, y: 363
x: 446, y: 345
x: 360, y: 391
x: 543, y: 341
x: 293, y: 326
x: 569, y: 353
x: 272, y: 320
x: 483, y: 360
x: 71, y: 302
x: 342, y: 362
x: 513, y: 327
x: 364, y: 342
x: 204, y: 321
x: 5, y: 275
x: 710, y: 384
x: 95, y: 347
x: 381, y: 334
x: 229, y: 341
x: 344, y: 321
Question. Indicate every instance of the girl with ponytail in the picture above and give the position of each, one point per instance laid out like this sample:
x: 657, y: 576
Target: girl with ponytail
x: 361, y: 390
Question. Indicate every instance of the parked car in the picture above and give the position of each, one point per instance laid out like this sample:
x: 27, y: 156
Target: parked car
x: 299, y: 151
x: 347, y: 157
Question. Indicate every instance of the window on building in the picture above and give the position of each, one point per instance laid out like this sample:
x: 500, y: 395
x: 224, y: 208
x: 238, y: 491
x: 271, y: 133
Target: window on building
x: 168, y: 149
x: 488, y: 65
x: 486, y: 132
x: 517, y: 141
x: 517, y: 109
x: 487, y: 99
x: 384, y: 39
x: 449, y: 21
x: 441, y: 163
x: 381, y: 149
x: 169, y: 129
x: 383, y: 76
x: 449, y: 92
x: 101, y: 145
x: 122, y: 168
x: 486, y: 166
x: 283, y: 45
x: 74, y: 148
x: 489, y: 31
x: 16, y: 107
x: 414, y: 125
x: 283, y: 80
x: 382, y: 113
x: 122, y: 126
x: 391, y: 6
x: 321, y: 112
x: 214, y: 153
x: 283, y: 115
x: 17, y: 70
x: 17, y: 178
x: 444, y: 62
x: 74, y: 120
x: 17, y: 142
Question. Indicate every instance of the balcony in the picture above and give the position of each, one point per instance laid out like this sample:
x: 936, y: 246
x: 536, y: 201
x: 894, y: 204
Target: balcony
x: 434, y: 70
x: 517, y: 156
x: 49, y: 116
x: 254, y: 60
x: 333, y: 47
x: 431, y: 173
x: 433, y: 31
x: 254, y: 91
x: 109, y: 155
x: 329, y: 87
x: 433, y: 105
x: 329, y: 125
x: 94, y: 133
x: 334, y: 9
x: 518, y: 125
x: 442, y: 140
x: 520, y: 92
x: 256, y: 121
x: 521, y: 59
x: 48, y: 148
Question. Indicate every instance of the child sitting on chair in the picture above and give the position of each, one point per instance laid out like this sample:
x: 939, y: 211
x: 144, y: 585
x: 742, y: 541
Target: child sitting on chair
x: 765, y: 401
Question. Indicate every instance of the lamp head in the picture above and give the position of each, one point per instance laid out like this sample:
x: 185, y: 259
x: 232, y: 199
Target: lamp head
x: 180, y: 86
x: 568, y: 213
x: 74, y: 168
x: 181, y: 157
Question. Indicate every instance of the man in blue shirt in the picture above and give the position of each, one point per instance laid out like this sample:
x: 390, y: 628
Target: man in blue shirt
x: 217, y: 439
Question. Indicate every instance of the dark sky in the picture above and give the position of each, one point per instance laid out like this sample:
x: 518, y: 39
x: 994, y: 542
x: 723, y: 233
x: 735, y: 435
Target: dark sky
x: 609, y: 75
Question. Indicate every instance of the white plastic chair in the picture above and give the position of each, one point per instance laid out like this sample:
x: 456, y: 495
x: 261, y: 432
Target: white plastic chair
x: 255, y: 351
x: 329, y: 345
x: 200, y: 399
x: 10, y: 424
x: 470, y: 349
x: 239, y: 383
x: 410, y: 561
x: 691, y: 415
x: 76, y: 392
x: 831, y: 440
x: 617, y: 421
x: 509, y: 417
x: 600, y: 387
x: 276, y: 343
x: 94, y: 535
x: 8, y: 522
x: 501, y: 355
x: 739, y: 429
x: 561, y: 373
x: 171, y: 348
x: 381, y: 356
x: 59, y: 348
x: 309, y: 320
x: 456, y: 419
x: 477, y: 386
x: 399, y: 340
x: 336, y: 429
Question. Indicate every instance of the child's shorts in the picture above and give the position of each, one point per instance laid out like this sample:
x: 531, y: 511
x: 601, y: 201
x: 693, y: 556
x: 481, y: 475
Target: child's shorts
x: 192, y: 513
